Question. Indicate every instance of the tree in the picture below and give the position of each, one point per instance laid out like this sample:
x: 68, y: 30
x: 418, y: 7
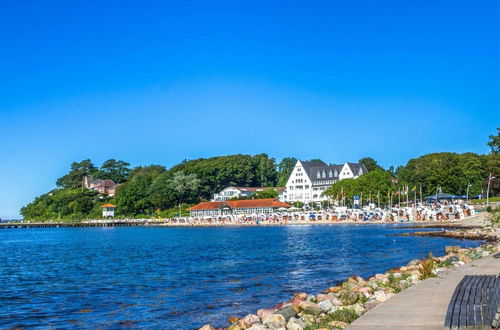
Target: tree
x: 370, y: 164
x: 494, y: 142
x: 268, y: 193
x: 316, y: 160
x: 285, y: 168
x: 75, y: 176
x: 116, y: 170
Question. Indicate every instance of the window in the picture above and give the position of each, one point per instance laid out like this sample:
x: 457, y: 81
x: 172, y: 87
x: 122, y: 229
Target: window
x: 318, y: 175
x: 336, y: 173
x: 330, y: 173
x: 323, y: 174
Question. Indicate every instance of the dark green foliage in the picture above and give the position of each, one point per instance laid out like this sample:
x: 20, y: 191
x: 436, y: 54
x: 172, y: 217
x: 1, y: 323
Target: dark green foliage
x: 65, y: 204
x: 269, y: 193
x: 285, y: 168
x: 450, y: 171
x: 370, y: 164
x: 75, y: 176
x: 217, y: 173
x: 116, y: 170
x: 494, y: 142
x: 370, y: 184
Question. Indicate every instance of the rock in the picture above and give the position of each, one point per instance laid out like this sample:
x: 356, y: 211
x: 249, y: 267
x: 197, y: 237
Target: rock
x: 233, y: 319
x: 207, y: 327
x: 414, y: 262
x: 338, y: 324
x: 321, y: 297
x: 325, y: 305
x: 309, y: 308
x: 359, y: 309
x: 300, y: 296
x: 380, y: 296
x: 263, y: 312
x: 287, y: 312
x: 257, y: 326
x: 307, y: 318
x: 365, y: 289
x: 274, y: 321
x: 251, y: 319
x: 454, y: 249
x: 295, y: 324
x: 335, y: 301
x: 370, y: 304
x: 334, y: 289
x: 238, y: 326
x: 380, y: 277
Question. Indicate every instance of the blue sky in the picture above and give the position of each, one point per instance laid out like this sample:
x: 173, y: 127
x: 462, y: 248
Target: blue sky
x: 162, y: 81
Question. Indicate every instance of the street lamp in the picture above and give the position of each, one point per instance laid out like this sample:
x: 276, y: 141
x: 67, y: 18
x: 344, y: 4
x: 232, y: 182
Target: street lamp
x: 488, y: 190
x: 467, y: 197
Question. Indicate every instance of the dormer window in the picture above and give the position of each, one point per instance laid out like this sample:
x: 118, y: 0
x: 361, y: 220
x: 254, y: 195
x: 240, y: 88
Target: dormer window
x: 336, y: 173
x: 318, y: 175
x: 360, y: 171
x: 323, y: 174
x: 330, y: 173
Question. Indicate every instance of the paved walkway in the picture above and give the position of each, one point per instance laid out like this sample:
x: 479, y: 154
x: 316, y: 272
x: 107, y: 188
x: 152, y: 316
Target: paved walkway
x: 423, y: 306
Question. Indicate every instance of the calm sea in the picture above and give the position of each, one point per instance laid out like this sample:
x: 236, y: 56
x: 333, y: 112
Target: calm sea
x: 182, y: 278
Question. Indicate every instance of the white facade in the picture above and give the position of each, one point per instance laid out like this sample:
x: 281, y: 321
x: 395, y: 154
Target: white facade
x: 239, y: 192
x: 309, y: 180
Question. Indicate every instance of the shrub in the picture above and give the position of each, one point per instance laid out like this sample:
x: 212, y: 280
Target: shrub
x: 427, y: 266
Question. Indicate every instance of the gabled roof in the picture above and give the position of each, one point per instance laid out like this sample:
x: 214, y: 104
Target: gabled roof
x: 241, y: 204
x: 356, y: 166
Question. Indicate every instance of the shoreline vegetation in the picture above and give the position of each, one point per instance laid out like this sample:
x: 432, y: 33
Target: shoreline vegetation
x: 338, y: 306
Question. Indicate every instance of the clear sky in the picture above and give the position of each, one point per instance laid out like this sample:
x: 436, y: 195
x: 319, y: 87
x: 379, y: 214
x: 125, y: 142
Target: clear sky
x: 162, y: 81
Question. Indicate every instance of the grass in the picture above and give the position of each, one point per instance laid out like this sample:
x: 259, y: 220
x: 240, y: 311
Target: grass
x: 482, y: 201
x: 395, y: 282
x: 346, y: 315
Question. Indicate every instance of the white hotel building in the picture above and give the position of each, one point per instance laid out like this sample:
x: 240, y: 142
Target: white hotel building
x: 309, y: 180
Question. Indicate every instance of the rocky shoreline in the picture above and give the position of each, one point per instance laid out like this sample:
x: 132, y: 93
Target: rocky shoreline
x: 340, y: 305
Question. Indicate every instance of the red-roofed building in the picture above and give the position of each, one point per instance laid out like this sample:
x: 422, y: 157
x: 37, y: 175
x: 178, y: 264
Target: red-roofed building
x: 246, y: 206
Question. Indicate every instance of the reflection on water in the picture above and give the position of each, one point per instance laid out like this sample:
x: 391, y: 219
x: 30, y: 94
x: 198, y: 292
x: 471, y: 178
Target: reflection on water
x: 183, y: 277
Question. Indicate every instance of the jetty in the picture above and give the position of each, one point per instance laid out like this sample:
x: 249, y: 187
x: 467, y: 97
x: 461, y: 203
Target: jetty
x: 61, y: 224
x: 424, y: 305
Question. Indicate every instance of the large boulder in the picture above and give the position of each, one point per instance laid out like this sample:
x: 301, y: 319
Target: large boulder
x: 325, y: 305
x: 274, y: 321
x: 257, y: 326
x: 207, y: 327
x: 338, y: 324
x: 295, y: 324
x: 288, y: 311
x: 263, y: 312
x: 251, y: 319
x: 300, y: 296
x: 309, y: 308
x: 334, y: 289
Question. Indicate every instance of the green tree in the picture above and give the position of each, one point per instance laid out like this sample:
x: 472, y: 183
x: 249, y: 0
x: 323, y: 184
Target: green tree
x: 370, y: 164
x: 494, y: 142
x: 78, y: 171
x: 116, y: 170
x: 268, y: 193
x: 285, y: 168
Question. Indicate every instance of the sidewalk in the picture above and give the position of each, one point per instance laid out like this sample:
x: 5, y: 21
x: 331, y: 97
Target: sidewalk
x: 424, y: 305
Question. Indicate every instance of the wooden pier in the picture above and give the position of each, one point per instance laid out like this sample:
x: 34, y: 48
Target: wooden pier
x: 51, y: 224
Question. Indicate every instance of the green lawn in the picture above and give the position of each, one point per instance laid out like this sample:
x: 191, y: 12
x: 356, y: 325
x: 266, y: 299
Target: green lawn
x: 481, y: 201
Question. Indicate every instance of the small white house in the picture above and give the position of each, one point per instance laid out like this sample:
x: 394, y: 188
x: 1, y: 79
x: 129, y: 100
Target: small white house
x: 239, y: 192
x: 108, y: 210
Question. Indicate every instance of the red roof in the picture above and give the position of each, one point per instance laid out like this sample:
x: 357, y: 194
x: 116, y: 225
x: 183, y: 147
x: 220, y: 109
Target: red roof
x: 241, y: 204
x: 108, y: 205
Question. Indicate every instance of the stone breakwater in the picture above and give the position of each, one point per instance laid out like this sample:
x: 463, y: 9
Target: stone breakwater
x: 340, y: 305
x: 474, y: 234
